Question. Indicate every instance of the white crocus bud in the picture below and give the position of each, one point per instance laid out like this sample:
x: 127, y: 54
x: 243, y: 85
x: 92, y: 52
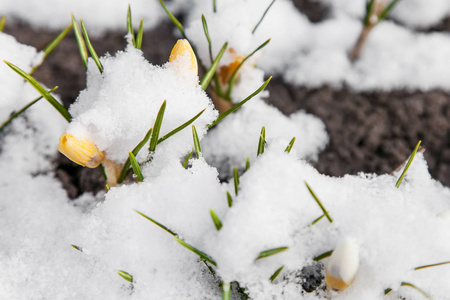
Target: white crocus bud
x: 343, y: 265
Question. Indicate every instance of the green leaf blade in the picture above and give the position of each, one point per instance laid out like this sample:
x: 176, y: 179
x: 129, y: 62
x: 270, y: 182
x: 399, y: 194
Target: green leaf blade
x: 236, y: 180
x: 197, y: 146
x: 323, y: 255
x: 262, y: 17
x: 325, y: 212
x: 91, y: 48
x: 2, y: 23
x: 125, y: 275
x: 140, y: 35
x: 271, y: 252
x: 181, y: 127
x: 237, y: 106
x: 135, y: 166
x: 130, y: 27
x: 411, y: 158
x: 186, y: 161
x: 262, y: 141
x: 41, y: 90
x: 276, y: 273
x: 291, y: 144
x: 157, y: 224
x: 157, y: 127
x: 174, y: 20
x: 196, y: 251
x: 216, y: 220
x: 226, y: 291
x: 229, y: 199
x: 212, y: 70
x: 80, y: 41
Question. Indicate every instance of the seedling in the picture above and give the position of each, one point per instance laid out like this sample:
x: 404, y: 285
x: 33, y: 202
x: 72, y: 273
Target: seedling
x: 197, y: 146
x: 262, y: 141
x: 229, y: 199
x: 216, y: 220
x: 411, y: 158
x: 125, y: 275
x: 135, y: 166
x: 276, y: 273
x: 376, y: 11
x: 186, y: 161
x: 291, y: 144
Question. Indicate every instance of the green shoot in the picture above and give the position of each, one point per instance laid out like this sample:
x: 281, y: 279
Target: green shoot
x: 135, y: 166
x: 212, y: 70
x: 107, y: 187
x: 77, y: 248
x: 181, y: 127
x: 226, y: 291
x: 173, y: 19
x: 215, y: 219
x: 413, y: 154
x: 271, y: 252
x: 262, y: 18
x: 318, y: 219
x: 80, y: 41
x: 291, y: 144
x: 432, y: 265
x: 236, y: 180
x: 369, y: 8
x: 130, y: 27
x: 214, y: 6
x: 91, y: 48
x: 197, y: 146
x: 320, y: 203
x: 50, y: 47
x: 2, y: 23
x: 41, y: 90
x: 262, y: 141
x: 158, y: 224
x: 125, y: 276
x: 205, y: 29
x: 16, y: 114
x: 237, y: 106
x: 234, y: 76
x: 140, y: 35
x: 157, y: 127
x: 247, y: 164
x: 275, y: 275
x: 229, y: 199
x: 387, y: 291
x: 186, y: 161
x: 135, y: 152
x: 196, y: 251
x: 323, y: 256
x: 387, y: 10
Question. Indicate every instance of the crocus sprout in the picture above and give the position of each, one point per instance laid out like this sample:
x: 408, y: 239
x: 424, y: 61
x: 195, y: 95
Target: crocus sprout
x: 183, y: 48
x: 80, y: 151
x: 343, y: 265
x: 376, y: 10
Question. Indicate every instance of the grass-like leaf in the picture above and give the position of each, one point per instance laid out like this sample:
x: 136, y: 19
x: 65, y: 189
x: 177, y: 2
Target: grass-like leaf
x: 215, y: 219
x: 247, y: 164
x: 425, y: 294
x: 157, y: 127
x: 197, y: 146
x: 186, y: 161
x: 411, y: 157
x: 196, y: 251
x: 262, y: 141
x: 126, y: 165
x: 173, y: 19
x: 41, y: 90
x: 226, y: 291
x: 214, y: 6
x: 157, y: 224
x: 291, y: 144
x: 80, y: 41
x: 262, y: 17
x: 229, y: 199
x: 318, y: 219
x: 135, y: 166
x: 325, y: 212
x: 91, y: 48
x: 237, y: 106
x: 130, y: 27
x: 181, y: 127
x: 323, y: 255
x: 208, y: 38
x: 2, y: 23
x: 77, y: 247
x: 271, y: 252
x: 125, y: 275
x: 276, y: 273
x: 236, y: 180
x: 212, y: 70
x: 387, y: 10
x: 16, y: 114
x: 234, y: 76
x: 50, y: 47
x: 432, y: 265
x: 140, y: 35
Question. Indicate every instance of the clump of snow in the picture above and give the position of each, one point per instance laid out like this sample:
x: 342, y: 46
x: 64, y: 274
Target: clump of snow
x: 98, y: 16
x: 120, y: 105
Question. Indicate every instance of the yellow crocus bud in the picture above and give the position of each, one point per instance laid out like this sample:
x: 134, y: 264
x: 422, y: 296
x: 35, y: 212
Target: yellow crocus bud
x: 183, y: 48
x: 82, y: 152
x: 343, y: 265
x: 225, y: 72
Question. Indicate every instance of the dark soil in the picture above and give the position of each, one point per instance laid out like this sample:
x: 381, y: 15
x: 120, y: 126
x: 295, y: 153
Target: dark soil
x: 370, y: 132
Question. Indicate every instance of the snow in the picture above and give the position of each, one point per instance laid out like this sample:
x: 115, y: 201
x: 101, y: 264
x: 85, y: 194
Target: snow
x: 394, y: 229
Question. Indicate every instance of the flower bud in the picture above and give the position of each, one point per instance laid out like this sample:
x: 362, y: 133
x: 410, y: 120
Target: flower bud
x: 183, y: 48
x: 343, y: 265
x: 82, y: 152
